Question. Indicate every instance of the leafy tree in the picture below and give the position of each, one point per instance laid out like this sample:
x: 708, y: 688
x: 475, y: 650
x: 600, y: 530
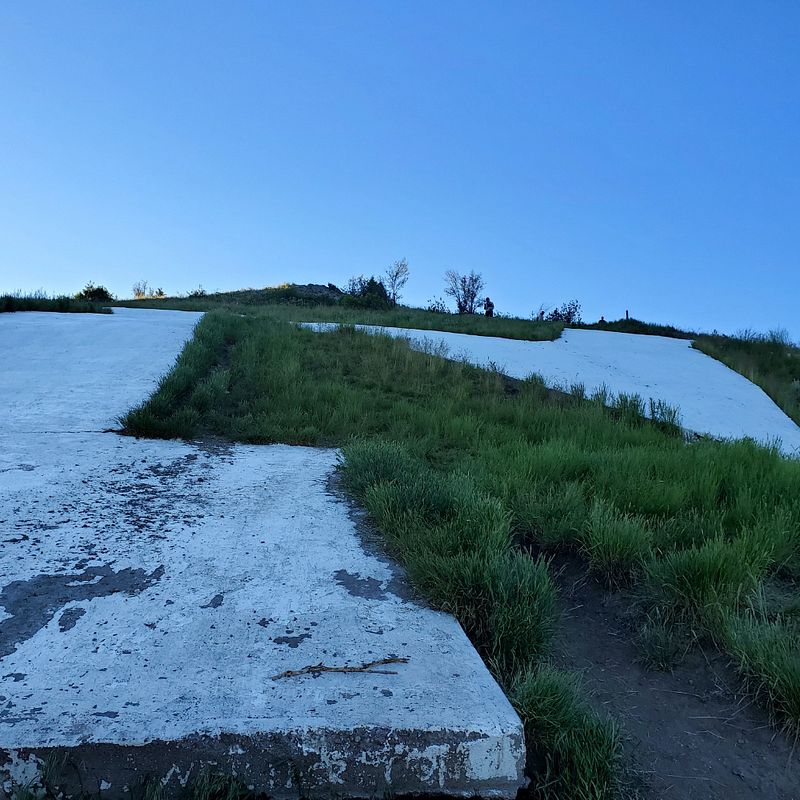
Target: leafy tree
x: 97, y: 294
x: 464, y: 289
x: 366, y: 293
x: 396, y: 277
x: 569, y: 313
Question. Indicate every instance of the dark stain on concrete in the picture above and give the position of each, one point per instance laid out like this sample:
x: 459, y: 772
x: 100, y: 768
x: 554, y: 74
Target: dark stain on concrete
x: 17, y: 676
x: 368, y: 588
x: 26, y: 716
x: 292, y: 641
x: 33, y: 603
x: 69, y: 619
x: 373, y: 543
x: 109, y: 714
x: 214, y: 602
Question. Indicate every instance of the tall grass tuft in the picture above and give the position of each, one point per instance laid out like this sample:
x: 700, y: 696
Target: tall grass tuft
x: 767, y: 653
x: 574, y: 753
x: 702, y: 583
x: 456, y: 544
x: 616, y: 545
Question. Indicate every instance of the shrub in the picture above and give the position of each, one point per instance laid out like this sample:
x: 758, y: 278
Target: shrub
x: 95, y: 294
x: 141, y: 291
x: 569, y: 313
x: 366, y: 293
x: 437, y: 306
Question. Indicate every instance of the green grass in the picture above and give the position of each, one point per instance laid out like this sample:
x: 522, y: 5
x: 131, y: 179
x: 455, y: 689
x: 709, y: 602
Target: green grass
x: 637, y: 326
x: 464, y: 474
x: 574, y: 752
x: 456, y: 543
x: 41, y: 302
x: 771, y: 362
x: 767, y: 653
x: 291, y: 304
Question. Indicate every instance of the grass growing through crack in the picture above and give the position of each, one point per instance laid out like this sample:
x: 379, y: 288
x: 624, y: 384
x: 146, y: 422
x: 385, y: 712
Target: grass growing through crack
x: 459, y: 468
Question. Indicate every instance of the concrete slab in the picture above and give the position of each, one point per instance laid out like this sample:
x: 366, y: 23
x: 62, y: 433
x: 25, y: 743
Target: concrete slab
x: 78, y: 372
x: 152, y: 594
x: 710, y: 397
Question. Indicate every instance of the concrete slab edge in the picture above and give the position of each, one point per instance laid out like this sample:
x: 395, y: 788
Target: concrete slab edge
x: 370, y: 762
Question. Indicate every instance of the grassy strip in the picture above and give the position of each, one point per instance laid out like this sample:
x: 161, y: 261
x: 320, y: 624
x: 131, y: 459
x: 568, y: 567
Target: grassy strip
x: 37, y: 302
x: 289, y: 304
x: 455, y: 466
x: 636, y: 326
x: 283, y: 383
x: 771, y: 362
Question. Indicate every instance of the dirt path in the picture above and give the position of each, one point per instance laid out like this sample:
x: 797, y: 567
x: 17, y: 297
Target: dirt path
x: 691, y: 733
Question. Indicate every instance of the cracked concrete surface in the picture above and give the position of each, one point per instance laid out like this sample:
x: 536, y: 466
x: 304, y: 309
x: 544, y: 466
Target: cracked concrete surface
x: 150, y: 591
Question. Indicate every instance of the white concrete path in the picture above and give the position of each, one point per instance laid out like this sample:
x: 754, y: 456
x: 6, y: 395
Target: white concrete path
x: 710, y: 397
x: 151, y: 591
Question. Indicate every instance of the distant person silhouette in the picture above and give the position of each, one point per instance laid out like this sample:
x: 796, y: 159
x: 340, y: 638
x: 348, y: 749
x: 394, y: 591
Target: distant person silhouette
x: 489, y: 307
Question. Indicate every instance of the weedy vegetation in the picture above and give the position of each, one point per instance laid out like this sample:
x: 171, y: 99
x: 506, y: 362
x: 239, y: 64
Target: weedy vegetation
x: 631, y: 325
x: 40, y: 301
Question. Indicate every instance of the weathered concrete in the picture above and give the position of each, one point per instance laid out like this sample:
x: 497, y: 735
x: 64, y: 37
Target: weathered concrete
x: 151, y: 593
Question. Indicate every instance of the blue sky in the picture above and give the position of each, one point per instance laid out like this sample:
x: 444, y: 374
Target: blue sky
x: 631, y: 155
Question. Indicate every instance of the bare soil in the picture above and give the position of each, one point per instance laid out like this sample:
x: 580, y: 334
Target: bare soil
x: 691, y: 732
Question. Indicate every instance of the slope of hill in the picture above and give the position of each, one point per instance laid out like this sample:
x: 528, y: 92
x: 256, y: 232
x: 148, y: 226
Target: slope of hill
x: 710, y: 398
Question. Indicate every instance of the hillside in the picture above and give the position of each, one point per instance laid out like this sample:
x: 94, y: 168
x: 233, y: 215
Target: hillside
x: 705, y: 534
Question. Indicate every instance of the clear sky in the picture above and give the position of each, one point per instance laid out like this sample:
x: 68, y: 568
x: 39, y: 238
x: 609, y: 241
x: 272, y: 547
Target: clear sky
x: 631, y: 155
